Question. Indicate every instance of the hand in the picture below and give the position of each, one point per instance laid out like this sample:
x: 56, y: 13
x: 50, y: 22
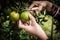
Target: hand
x: 33, y: 28
x: 40, y: 6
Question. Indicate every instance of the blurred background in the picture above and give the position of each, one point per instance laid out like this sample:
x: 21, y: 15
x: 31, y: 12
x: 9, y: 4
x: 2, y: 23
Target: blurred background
x: 9, y: 30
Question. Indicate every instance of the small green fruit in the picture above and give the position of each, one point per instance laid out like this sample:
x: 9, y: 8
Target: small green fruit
x: 46, y: 18
x: 25, y: 15
x: 14, y: 16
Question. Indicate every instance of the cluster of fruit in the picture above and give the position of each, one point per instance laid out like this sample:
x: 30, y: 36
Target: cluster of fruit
x: 15, y: 16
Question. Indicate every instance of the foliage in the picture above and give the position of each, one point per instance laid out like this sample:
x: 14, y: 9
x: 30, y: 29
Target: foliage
x: 9, y: 29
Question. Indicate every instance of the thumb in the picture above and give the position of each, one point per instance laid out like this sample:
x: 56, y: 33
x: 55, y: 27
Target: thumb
x: 21, y: 25
x: 32, y: 18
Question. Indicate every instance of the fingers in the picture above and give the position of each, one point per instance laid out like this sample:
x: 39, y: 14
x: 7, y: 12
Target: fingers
x: 40, y: 8
x: 21, y: 25
x: 32, y: 5
x: 37, y: 11
x: 40, y: 5
x: 34, y: 8
x: 32, y: 18
x: 35, y: 3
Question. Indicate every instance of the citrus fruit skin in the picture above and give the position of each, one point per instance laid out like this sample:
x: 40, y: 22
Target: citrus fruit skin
x: 14, y: 16
x: 46, y: 18
x: 25, y: 15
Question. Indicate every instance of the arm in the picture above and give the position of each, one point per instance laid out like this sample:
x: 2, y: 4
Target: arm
x: 33, y: 28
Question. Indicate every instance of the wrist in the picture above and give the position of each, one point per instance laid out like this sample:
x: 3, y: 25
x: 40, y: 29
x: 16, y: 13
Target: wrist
x: 41, y: 34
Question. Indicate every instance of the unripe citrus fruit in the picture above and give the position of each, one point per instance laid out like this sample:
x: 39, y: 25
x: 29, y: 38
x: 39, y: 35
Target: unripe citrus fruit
x: 14, y: 16
x: 46, y: 18
x: 25, y: 15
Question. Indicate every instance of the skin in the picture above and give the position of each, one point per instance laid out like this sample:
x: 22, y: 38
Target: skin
x: 41, y: 5
x: 34, y: 28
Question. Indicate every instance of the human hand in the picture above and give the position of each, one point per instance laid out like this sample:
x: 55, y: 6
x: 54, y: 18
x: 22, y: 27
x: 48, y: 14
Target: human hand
x: 33, y: 28
x: 40, y: 5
